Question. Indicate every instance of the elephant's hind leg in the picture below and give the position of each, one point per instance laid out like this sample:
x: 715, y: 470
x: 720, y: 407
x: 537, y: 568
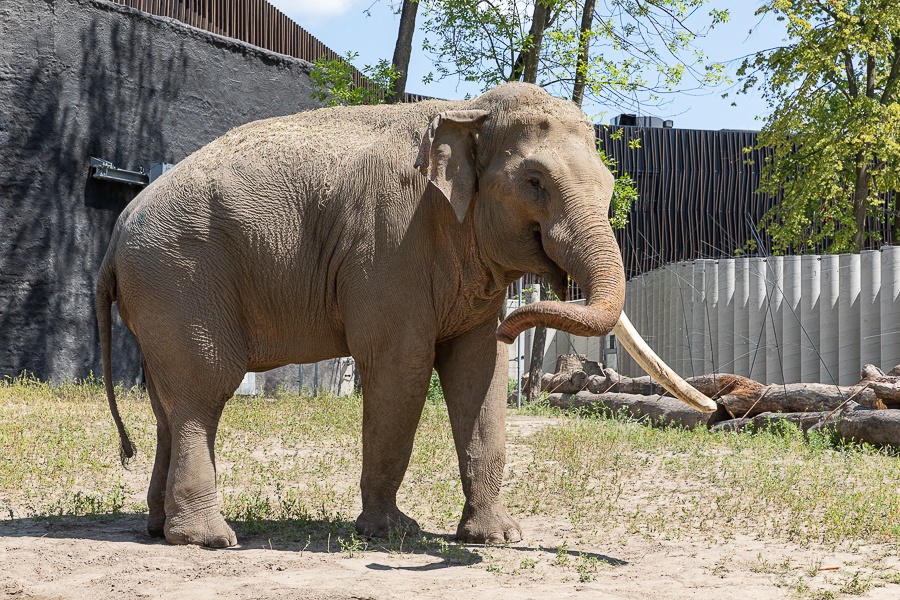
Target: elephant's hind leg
x: 474, y: 371
x: 189, y: 394
x: 191, y: 506
x: 156, y: 494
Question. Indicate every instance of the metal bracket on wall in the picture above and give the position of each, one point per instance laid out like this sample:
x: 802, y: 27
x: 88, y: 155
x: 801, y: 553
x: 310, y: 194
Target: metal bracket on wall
x: 103, y: 169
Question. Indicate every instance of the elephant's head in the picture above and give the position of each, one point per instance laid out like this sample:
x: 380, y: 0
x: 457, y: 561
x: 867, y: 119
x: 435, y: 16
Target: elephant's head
x: 524, y: 167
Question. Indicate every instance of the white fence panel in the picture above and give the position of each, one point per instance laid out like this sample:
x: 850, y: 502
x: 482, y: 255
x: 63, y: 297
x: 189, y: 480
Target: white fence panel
x: 777, y: 320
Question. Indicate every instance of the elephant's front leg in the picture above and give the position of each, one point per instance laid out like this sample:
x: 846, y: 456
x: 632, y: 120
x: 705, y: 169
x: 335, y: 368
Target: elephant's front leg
x: 474, y: 370
x: 394, y: 389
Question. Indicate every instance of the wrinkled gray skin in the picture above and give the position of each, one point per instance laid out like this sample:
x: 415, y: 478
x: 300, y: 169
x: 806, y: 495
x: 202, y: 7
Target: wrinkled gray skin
x: 387, y: 233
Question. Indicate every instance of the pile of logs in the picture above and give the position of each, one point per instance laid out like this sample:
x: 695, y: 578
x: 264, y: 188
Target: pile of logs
x: 866, y: 412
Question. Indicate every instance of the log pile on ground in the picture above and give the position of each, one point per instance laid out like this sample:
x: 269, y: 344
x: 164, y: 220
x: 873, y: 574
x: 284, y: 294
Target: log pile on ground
x: 868, y: 411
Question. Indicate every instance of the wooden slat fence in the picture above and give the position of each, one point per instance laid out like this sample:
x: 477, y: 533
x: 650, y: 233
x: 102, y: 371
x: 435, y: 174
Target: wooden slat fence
x: 252, y: 21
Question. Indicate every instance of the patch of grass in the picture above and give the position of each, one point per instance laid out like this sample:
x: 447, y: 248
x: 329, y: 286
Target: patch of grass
x: 668, y: 482
x: 289, y: 466
x: 856, y: 584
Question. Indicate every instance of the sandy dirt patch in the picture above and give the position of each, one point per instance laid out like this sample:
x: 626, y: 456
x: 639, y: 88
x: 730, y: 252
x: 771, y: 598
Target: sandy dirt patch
x: 99, y: 558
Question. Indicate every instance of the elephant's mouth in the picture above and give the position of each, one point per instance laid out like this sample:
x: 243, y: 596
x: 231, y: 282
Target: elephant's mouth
x: 555, y: 276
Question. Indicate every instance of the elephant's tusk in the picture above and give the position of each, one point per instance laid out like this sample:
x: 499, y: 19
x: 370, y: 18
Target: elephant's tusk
x: 655, y: 367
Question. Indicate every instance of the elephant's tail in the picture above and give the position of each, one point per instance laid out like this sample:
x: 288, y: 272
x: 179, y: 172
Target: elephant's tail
x: 106, y: 293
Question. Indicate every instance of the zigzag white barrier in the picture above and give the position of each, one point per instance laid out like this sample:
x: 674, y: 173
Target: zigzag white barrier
x: 777, y: 320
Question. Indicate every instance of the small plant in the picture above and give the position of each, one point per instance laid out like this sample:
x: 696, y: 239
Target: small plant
x: 761, y: 565
x: 333, y: 80
x: 811, y: 568
x: 435, y: 392
x: 586, y: 567
x: 352, y: 545
x: 562, y: 555
x: 856, y: 584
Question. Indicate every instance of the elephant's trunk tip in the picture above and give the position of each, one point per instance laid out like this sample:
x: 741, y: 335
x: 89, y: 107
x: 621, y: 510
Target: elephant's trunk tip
x: 593, y: 320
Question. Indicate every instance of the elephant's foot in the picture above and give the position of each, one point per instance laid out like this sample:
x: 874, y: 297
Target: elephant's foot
x: 382, y: 523
x: 211, y: 531
x: 491, y: 525
x: 156, y: 527
x: 156, y: 522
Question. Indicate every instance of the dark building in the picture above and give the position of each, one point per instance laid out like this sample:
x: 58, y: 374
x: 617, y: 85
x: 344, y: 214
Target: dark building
x: 91, y: 78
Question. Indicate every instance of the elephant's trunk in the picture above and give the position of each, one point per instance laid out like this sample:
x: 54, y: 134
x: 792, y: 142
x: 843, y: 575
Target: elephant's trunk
x: 594, y: 261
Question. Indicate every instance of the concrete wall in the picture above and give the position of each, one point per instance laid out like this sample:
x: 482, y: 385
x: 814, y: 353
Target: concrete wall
x: 82, y: 78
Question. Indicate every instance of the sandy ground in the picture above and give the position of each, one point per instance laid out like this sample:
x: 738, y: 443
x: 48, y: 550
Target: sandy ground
x: 115, y: 558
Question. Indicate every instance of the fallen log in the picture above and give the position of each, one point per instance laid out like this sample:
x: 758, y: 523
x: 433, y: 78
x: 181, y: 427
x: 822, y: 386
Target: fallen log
x: 803, y: 420
x: 860, y: 424
x: 798, y: 397
x: 658, y: 409
x: 744, y: 397
x: 887, y: 389
x: 563, y: 383
x: 569, y: 363
x: 868, y: 373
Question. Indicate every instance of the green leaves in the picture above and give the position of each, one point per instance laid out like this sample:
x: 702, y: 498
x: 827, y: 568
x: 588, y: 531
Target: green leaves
x: 333, y: 80
x: 637, y: 50
x: 835, y: 126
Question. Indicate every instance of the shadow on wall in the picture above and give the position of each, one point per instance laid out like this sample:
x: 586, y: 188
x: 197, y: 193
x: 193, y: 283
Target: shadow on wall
x: 58, y: 220
x: 81, y: 79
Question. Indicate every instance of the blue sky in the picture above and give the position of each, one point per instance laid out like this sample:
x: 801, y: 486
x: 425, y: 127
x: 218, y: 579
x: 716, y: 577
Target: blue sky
x: 343, y: 26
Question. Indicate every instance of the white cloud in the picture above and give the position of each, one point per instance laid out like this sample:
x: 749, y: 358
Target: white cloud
x: 316, y: 9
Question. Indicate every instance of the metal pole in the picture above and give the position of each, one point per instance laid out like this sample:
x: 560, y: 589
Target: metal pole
x: 519, y: 353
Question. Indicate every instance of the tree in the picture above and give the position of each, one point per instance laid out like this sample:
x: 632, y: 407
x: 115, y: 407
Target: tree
x: 584, y: 42
x: 334, y: 84
x: 638, y: 51
x: 403, y: 49
x: 834, y: 131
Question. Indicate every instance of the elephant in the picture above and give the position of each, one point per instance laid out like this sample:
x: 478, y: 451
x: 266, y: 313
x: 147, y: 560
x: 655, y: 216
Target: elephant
x: 387, y: 233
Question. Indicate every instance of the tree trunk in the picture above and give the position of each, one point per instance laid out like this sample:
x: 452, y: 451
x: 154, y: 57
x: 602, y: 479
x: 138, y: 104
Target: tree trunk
x: 536, y: 369
x: 533, y: 56
x: 584, y: 42
x: 403, y: 49
x: 526, y: 66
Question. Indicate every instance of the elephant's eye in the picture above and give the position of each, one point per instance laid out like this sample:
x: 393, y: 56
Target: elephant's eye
x: 534, y: 179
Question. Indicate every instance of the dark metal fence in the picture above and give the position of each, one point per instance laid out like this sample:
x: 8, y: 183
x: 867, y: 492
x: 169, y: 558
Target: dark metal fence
x: 697, y: 196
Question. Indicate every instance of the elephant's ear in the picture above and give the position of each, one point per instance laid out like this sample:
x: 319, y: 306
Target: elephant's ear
x: 447, y: 156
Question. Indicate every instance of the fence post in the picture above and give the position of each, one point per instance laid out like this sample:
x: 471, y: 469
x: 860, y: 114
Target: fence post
x: 890, y: 307
x: 725, y: 316
x: 828, y: 319
x: 757, y: 316
x: 810, y: 285
x: 870, y: 308
x: 792, y: 339
x: 742, y: 317
x: 773, y: 315
x: 849, y: 320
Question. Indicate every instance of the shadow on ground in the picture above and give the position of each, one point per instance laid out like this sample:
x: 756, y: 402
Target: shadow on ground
x: 327, y: 536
